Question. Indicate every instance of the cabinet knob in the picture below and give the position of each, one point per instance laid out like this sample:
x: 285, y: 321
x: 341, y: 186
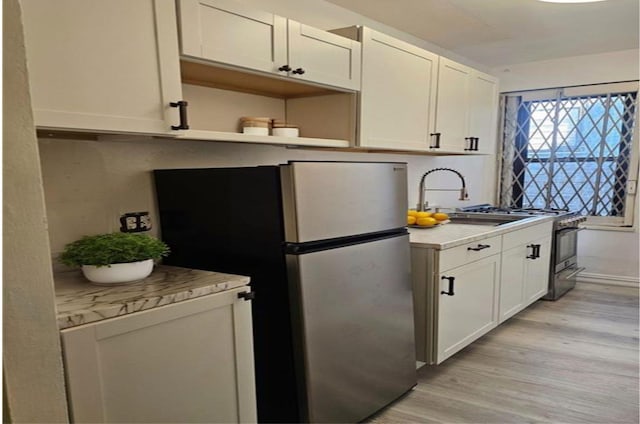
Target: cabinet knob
x: 182, y: 107
x: 247, y: 295
x: 451, y: 281
x: 284, y: 68
x: 298, y: 71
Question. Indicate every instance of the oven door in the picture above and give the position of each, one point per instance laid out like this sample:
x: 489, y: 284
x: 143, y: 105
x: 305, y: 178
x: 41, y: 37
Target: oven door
x: 566, y: 248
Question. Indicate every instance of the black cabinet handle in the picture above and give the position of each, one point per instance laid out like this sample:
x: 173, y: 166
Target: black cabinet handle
x: 298, y: 71
x: 535, y: 251
x: 437, y: 146
x: 470, y: 144
x: 475, y: 143
x: 479, y: 247
x: 450, y: 291
x: 182, y: 105
x: 284, y: 68
x: 247, y: 295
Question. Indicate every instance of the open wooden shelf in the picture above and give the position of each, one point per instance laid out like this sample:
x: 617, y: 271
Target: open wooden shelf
x: 246, y: 82
x: 261, y: 139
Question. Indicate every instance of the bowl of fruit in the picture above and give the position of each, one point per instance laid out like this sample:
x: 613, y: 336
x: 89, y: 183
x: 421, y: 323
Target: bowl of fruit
x: 423, y: 219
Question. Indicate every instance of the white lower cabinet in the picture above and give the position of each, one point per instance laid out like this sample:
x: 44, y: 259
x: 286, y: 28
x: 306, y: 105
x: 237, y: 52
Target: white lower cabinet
x: 470, y: 309
x: 465, y: 291
x: 525, y: 268
x: 190, y: 361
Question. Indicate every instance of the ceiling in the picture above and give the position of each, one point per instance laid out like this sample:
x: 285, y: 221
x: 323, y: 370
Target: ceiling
x: 504, y: 32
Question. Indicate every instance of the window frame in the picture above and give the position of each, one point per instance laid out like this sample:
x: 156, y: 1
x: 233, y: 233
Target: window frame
x: 632, y: 204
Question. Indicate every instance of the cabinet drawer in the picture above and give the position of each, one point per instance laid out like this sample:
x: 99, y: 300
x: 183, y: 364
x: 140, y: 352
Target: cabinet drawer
x: 526, y: 235
x: 456, y: 256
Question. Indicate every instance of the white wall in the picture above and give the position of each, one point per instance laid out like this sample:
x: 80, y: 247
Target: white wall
x: 577, y: 70
x: 31, y: 358
x: 607, y: 255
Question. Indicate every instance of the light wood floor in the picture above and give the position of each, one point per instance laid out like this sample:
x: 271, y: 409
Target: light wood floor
x: 574, y: 360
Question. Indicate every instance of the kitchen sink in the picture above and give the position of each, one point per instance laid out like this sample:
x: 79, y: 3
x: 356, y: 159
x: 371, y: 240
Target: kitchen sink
x: 489, y: 219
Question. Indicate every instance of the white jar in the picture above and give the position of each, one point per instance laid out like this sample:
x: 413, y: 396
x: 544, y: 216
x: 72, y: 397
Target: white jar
x: 285, y: 132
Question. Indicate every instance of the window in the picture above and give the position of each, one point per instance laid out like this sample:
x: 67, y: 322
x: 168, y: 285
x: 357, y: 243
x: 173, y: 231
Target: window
x: 573, y: 148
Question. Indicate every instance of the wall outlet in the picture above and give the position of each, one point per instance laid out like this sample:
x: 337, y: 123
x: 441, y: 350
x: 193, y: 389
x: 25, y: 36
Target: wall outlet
x: 135, y: 222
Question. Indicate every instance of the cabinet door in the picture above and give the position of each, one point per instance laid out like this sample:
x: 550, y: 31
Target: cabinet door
x: 231, y: 33
x: 452, y: 116
x: 397, y: 100
x: 191, y: 361
x: 512, y: 282
x: 483, y: 111
x: 320, y: 56
x: 473, y: 308
x: 106, y: 66
x: 536, y: 282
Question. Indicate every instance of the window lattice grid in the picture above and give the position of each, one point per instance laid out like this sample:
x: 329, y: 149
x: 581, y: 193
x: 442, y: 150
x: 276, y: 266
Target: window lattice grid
x: 568, y: 152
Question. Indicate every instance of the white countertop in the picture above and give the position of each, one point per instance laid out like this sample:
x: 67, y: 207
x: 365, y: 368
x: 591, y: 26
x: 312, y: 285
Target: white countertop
x: 80, y: 302
x: 450, y: 235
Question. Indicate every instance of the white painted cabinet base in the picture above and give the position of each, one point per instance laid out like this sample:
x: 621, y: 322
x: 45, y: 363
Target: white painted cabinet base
x: 190, y: 361
x: 473, y: 310
x: 489, y: 286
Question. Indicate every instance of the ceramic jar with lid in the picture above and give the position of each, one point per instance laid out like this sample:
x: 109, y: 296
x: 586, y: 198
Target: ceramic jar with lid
x: 255, y: 125
x: 283, y: 129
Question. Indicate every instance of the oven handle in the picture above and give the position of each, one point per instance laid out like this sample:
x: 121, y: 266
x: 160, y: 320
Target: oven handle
x: 576, y: 272
x: 576, y: 229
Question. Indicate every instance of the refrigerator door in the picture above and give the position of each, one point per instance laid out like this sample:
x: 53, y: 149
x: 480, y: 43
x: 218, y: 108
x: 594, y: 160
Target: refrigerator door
x: 354, y: 318
x: 324, y: 200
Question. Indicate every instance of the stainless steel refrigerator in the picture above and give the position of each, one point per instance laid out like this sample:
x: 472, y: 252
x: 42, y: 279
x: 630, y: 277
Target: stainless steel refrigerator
x: 327, y: 251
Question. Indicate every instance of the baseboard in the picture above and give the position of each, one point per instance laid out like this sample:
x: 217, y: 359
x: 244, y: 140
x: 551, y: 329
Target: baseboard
x: 612, y: 280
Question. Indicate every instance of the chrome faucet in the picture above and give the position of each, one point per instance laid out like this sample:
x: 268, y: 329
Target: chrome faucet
x: 422, y: 204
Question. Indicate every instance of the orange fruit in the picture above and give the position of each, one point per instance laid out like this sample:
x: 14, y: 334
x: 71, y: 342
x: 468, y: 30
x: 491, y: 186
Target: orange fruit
x: 426, y: 221
x: 411, y: 220
x: 412, y: 212
x: 440, y: 216
x: 423, y: 215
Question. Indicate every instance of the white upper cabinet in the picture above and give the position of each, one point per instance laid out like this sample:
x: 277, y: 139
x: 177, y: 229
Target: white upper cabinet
x: 320, y: 56
x: 231, y: 34
x: 397, y: 99
x: 452, y: 115
x: 103, y: 66
x: 483, y: 111
x: 467, y: 107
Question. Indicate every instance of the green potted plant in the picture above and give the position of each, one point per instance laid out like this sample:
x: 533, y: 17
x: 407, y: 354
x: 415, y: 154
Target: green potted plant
x: 114, y: 258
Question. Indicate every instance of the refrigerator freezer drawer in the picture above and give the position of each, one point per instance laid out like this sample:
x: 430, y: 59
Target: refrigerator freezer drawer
x: 354, y: 318
x: 324, y: 200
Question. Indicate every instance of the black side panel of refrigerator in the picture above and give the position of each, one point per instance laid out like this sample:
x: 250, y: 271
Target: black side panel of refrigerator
x: 230, y: 220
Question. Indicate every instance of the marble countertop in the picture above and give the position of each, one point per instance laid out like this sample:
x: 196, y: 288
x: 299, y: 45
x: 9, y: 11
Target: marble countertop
x: 451, y: 235
x: 80, y: 302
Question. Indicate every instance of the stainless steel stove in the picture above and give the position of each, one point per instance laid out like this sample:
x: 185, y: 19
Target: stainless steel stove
x: 564, y: 244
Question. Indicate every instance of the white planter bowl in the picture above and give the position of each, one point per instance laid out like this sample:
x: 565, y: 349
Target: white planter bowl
x: 118, y: 273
